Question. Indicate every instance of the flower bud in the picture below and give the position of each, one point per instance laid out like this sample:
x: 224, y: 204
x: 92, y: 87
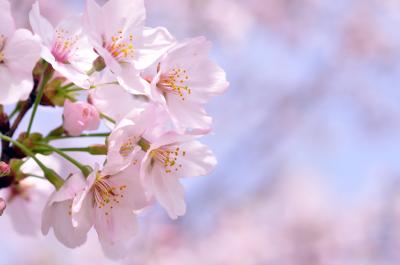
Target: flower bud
x: 2, y: 206
x: 80, y: 116
x: 99, y: 64
x: 4, y: 169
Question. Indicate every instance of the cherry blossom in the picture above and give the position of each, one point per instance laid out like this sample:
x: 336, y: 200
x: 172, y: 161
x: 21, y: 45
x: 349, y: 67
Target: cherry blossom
x: 186, y: 79
x: 64, y: 46
x: 123, y: 42
x: 15, y: 63
x: 169, y: 156
x: 100, y: 68
x: 110, y: 202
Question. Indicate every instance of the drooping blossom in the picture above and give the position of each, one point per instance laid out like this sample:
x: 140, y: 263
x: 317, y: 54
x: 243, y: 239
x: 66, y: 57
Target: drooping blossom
x: 185, y: 80
x: 123, y: 42
x: 111, y: 201
x: 16, y: 64
x: 64, y: 46
x: 168, y: 156
x: 80, y: 116
x: 107, y: 202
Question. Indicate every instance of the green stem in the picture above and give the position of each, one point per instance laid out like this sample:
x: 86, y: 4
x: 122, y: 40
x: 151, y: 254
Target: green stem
x: 67, y: 149
x: 104, y: 116
x: 85, y: 169
x: 74, y: 90
x: 51, y: 138
x: 36, y: 176
x: 49, y: 174
x: 68, y: 86
x: 45, y: 78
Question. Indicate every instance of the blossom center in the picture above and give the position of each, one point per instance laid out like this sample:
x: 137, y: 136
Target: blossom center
x: 167, y: 157
x: 121, y: 46
x: 107, y: 195
x: 175, y: 82
x: 63, y: 45
x: 128, y: 146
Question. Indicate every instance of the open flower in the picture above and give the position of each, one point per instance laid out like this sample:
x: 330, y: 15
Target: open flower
x: 186, y: 79
x: 65, y: 47
x: 110, y: 201
x: 123, y: 42
x: 168, y: 156
x: 106, y: 202
x: 80, y: 116
x: 16, y: 64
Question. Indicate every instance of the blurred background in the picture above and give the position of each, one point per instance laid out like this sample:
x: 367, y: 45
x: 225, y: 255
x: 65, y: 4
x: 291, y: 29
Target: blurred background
x: 307, y: 139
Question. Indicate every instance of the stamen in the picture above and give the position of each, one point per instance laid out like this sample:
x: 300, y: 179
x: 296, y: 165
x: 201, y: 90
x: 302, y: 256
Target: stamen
x: 168, y: 157
x: 121, y: 46
x: 105, y: 194
x: 128, y: 146
x: 175, y: 83
x: 63, y: 45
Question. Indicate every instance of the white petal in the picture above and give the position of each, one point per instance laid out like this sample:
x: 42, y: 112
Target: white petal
x: 152, y: 45
x: 41, y: 26
x: 15, y: 55
x: 169, y: 192
x: 62, y: 225
x: 115, y: 227
x: 115, y: 101
x: 15, y: 86
x: 124, y: 15
x: 198, y: 160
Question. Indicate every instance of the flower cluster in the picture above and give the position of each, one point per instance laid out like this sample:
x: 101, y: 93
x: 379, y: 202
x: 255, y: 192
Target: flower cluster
x: 148, y: 88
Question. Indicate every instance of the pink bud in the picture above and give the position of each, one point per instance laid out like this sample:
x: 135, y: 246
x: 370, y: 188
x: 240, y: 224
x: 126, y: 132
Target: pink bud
x: 80, y: 116
x: 4, y: 169
x: 2, y: 206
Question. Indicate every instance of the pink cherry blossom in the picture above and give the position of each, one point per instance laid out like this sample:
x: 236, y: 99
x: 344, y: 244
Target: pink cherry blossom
x: 110, y: 201
x: 122, y: 40
x: 168, y: 156
x: 16, y: 64
x: 65, y: 47
x: 186, y: 79
x: 123, y: 147
x: 80, y: 116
